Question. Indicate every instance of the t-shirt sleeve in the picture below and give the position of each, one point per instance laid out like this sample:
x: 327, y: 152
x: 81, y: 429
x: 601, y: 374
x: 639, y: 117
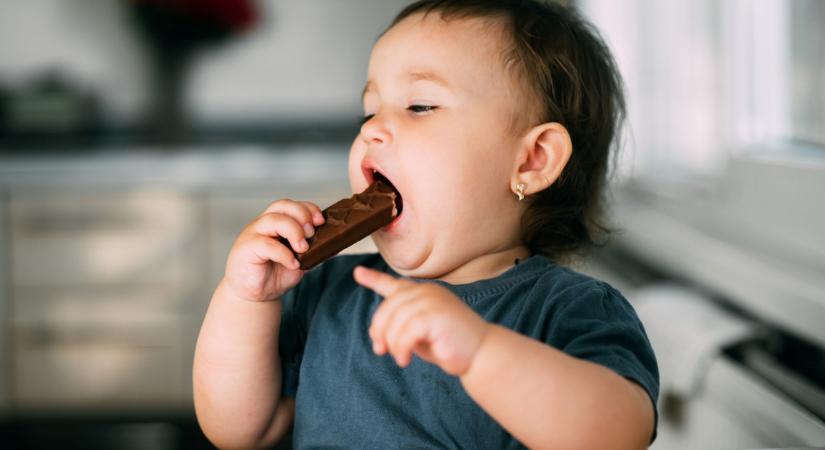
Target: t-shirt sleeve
x: 601, y: 326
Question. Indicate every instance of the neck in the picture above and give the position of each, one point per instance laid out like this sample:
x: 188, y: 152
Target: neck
x: 486, y: 266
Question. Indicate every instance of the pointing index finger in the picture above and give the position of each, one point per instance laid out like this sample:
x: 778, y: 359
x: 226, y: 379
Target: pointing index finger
x: 379, y: 282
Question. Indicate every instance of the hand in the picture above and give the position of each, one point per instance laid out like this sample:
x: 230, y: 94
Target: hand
x: 425, y: 319
x: 261, y: 268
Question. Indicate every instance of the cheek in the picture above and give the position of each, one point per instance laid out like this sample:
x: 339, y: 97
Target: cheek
x: 478, y: 190
x: 445, y: 187
x: 356, y: 155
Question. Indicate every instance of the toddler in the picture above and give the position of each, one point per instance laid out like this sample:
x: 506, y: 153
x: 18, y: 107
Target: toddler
x: 494, y: 121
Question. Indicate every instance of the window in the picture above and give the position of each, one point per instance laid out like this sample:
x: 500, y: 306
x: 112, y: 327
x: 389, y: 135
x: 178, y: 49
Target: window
x: 807, y: 62
x: 706, y: 79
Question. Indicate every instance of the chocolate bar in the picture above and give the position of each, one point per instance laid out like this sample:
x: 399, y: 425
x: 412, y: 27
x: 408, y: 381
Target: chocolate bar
x: 348, y: 221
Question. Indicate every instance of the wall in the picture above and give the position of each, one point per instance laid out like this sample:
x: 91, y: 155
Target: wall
x: 303, y: 60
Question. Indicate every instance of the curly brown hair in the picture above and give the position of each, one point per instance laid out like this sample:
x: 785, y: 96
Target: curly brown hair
x: 562, y: 60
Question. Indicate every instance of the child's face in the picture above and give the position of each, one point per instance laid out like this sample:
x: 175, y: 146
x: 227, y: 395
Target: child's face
x: 443, y: 105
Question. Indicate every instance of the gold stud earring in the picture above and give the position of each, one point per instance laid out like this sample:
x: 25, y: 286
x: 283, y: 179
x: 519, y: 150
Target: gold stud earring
x: 520, y: 191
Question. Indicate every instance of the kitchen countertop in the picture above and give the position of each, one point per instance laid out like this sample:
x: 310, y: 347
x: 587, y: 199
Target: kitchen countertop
x: 192, y: 167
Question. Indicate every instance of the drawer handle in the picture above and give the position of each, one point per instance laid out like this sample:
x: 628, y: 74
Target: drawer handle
x: 46, y: 336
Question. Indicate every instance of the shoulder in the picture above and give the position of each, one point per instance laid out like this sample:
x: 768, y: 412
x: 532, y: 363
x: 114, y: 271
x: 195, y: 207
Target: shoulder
x: 575, y: 293
x: 566, y: 305
x: 541, y: 298
x: 538, y: 283
x: 563, y: 281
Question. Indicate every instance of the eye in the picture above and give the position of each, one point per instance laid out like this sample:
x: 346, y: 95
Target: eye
x: 422, y: 109
x: 366, y: 118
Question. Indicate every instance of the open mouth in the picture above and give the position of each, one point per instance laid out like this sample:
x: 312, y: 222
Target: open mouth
x: 374, y: 175
x: 399, y: 202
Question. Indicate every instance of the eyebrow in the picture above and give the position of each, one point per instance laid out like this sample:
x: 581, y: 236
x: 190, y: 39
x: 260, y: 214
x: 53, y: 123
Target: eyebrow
x: 413, y: 77
x: 428, y: 76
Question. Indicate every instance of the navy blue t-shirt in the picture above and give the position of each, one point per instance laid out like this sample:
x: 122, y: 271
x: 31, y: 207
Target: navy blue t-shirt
x: 346, y: 396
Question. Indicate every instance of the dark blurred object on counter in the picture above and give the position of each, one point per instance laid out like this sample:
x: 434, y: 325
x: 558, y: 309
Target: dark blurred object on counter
x: 49, y: 106
x: 175, y: 31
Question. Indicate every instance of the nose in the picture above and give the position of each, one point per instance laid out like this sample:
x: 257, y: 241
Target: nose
x: 376, y: 130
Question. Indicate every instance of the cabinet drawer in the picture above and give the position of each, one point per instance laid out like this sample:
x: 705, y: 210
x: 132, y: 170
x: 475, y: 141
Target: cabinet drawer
x: 93, y: 374
x: 90, y: 237
x: 95, y: 307
x: 95, y: 349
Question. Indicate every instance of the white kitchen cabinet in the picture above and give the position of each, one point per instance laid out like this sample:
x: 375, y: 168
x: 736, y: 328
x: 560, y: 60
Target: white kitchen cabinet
x: 70, y: 237
x: 96, y: 349
x: 96, y: 297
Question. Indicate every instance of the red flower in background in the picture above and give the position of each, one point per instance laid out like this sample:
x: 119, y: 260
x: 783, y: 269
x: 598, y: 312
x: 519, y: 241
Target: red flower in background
x: 232, y: 15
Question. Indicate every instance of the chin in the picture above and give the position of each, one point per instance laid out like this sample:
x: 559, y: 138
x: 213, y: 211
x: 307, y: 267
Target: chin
x: 409, y: 262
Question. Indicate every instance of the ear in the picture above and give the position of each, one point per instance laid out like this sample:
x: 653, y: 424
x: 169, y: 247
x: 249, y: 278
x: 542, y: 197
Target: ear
x: 542, y: 156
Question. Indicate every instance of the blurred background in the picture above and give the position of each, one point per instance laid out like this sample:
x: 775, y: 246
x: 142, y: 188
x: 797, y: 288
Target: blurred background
x: 138, y: 137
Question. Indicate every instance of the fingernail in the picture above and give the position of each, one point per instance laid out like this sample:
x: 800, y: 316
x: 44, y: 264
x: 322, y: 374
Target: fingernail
x: 303, y: 244
x: 375, y: 348
x: 319, y: 218
x: 309, y: 230
x: 296, y: 264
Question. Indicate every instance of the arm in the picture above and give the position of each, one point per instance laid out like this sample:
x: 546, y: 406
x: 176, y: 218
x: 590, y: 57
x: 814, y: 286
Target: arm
x: 237, y: 368
x: 237, y: 375
x: 548, y: 399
